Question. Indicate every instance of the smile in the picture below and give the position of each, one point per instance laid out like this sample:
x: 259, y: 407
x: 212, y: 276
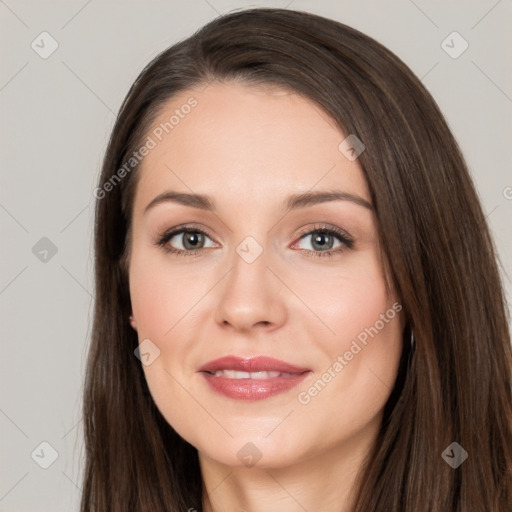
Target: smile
x: 233, y: 374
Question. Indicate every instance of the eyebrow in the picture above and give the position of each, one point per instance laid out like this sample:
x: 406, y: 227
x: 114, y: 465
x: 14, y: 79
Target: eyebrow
x: 293, y: 202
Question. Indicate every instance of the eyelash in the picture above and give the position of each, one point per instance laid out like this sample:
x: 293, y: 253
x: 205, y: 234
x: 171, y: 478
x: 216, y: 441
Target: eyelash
x: 343, y: 237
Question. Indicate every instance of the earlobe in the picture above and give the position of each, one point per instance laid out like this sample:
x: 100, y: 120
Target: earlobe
x: 133, y: 322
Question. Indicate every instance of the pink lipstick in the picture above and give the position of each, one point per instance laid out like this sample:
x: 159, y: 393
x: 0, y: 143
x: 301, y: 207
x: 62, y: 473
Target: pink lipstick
x: 253, y: 378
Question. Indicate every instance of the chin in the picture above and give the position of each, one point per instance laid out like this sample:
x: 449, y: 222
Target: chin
x: 254, y: 451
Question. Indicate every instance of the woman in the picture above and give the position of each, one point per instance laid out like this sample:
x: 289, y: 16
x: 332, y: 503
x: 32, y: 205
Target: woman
x: 297, y: 299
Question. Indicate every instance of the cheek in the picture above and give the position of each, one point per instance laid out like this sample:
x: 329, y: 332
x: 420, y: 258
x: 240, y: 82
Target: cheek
x: 359, y: 307
x: 161, y: 298
x: 161, y: 295
x: 362, y: 354
x: 350, y: 299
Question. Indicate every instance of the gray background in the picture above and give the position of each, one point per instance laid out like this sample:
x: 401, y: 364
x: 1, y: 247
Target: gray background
x: 56, y: 116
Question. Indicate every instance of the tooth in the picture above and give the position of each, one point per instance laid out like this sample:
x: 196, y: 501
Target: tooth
x: 264, y: 375
x: 234, y: 374
x: 259, y: 375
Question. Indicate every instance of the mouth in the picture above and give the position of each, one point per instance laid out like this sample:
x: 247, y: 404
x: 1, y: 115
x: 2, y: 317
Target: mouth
x: 251, y: 378
x: 233, y: 374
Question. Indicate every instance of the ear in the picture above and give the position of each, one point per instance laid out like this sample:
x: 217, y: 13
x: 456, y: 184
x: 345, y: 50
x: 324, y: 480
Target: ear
x: 133, y: 322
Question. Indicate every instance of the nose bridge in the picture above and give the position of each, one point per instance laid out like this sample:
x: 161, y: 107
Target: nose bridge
x: 250, y: 293
x: 250, y: 259
x: 250, y: 275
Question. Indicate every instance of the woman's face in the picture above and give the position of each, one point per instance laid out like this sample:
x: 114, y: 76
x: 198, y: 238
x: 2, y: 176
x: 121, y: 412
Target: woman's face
x: 251, y: 279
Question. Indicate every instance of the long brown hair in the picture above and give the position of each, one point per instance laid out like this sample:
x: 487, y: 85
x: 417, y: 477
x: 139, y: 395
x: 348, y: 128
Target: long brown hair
x: 456, y: 383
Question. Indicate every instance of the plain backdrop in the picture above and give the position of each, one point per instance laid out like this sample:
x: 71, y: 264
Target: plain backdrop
x: 57, y: 111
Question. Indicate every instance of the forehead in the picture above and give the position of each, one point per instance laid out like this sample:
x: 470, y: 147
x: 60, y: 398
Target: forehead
x: 240, y: 142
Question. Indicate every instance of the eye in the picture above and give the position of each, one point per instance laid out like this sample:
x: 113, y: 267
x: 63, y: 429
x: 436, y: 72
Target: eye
x: 323, y: 241
x: 192, y: 240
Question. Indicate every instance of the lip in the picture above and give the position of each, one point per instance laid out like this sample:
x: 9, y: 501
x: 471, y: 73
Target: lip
x: 252, y: 364
x: 252, y: 389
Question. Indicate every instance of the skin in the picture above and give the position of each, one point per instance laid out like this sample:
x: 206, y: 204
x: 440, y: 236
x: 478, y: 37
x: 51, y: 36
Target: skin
x: 250, y: 148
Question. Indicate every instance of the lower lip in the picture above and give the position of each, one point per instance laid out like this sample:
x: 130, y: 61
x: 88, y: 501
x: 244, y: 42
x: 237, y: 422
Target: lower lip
x: 252, y: 389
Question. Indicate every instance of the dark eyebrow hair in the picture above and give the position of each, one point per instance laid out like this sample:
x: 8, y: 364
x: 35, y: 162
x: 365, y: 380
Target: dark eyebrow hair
x: 293, y: 202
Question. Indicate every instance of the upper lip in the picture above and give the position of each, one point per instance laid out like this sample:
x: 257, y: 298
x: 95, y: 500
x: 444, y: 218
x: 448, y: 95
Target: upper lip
x: 252, y: 364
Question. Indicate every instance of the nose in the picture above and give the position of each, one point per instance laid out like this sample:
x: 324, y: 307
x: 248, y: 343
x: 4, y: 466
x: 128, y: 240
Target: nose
x: 251, y: 296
